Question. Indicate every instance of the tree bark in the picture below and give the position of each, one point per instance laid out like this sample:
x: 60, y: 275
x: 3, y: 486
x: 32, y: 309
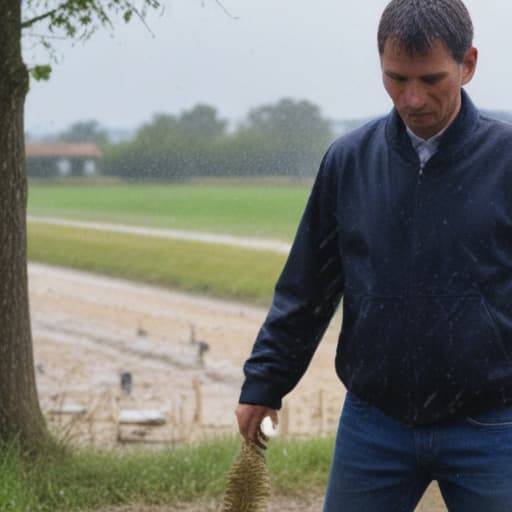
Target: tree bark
x: 20, y: 413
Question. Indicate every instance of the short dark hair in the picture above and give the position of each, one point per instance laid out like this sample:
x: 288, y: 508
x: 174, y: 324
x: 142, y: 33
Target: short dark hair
x: 416, y: 24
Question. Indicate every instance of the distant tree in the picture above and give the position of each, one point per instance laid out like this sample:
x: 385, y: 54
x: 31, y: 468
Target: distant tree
x: 20, y: 413
x: 169, y: 147
x: 201, y: 129
x: 286, y: 138
x: 85, y: 131
x: 292, y: 134
x: 159, y: 132
x: 202, y: 122
x: 152, y: 154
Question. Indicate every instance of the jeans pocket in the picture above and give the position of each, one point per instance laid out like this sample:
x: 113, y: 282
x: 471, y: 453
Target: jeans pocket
x: 495, y: 418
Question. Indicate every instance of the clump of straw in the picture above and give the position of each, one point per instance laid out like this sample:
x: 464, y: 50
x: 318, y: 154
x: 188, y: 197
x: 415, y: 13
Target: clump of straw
x: 248, y: 487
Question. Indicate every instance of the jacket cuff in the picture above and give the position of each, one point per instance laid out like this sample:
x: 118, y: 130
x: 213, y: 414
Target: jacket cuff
x: 258, y: 392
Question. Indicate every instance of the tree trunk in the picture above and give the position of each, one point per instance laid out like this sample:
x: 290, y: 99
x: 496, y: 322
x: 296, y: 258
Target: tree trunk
x: 20, y: 413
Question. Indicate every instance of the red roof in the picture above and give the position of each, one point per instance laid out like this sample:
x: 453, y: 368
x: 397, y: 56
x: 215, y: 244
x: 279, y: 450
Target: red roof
x: 63, y: 149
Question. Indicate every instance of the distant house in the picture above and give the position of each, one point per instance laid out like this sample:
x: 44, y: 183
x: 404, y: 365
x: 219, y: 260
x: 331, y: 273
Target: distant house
x: 61, y: 159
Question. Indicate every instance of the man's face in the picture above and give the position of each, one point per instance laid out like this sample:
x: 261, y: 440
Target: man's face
x: 425, y: 89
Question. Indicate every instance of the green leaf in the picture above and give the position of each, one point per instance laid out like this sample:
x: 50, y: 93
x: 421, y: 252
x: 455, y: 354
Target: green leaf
x: 41, y: 72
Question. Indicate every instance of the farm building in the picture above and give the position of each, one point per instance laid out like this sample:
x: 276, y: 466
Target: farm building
x: 61, y: 159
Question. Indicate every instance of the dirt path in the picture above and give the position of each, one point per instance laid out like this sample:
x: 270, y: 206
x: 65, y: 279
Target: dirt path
x: 88, y: 330
x: 313, y: 503
x: 278, y: 504
x: 174, y: 234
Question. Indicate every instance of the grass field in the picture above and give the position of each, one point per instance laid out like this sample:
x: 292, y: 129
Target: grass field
x: 270, y: 210
x: 214, y: 270
x: 87, y: 479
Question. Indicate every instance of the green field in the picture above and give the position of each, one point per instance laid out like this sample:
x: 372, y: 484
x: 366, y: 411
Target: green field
x: 270, y: 210
x: 215, y: 270
x: 90, y: 479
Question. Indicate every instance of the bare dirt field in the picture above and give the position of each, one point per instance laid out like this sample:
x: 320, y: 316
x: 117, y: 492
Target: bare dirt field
x: 184, y: 356
x: 430, y: 503
x: 278, y: 504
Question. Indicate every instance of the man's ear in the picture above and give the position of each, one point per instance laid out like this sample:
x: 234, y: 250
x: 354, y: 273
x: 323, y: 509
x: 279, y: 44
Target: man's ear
x: 469, y: 65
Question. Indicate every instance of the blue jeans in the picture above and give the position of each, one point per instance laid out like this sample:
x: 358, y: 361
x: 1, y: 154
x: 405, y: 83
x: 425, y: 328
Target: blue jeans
x: 380, y: 465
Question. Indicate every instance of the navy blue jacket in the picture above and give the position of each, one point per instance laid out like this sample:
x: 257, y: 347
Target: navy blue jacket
x: 423, y: 262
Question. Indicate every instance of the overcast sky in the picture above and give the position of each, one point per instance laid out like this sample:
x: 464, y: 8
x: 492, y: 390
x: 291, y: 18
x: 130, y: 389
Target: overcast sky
x: 320, y: 50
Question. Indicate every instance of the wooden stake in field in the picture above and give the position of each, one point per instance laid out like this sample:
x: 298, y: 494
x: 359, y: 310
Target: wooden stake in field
x: 198, y: 412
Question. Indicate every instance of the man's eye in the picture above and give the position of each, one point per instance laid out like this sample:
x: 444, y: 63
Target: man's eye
x: 431, y: 79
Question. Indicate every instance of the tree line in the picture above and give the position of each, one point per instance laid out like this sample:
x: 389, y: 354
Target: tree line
x: 286, y: 138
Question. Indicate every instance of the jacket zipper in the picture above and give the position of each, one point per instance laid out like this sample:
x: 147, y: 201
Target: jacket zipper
x: 413, y: 234
x: 413, y: 228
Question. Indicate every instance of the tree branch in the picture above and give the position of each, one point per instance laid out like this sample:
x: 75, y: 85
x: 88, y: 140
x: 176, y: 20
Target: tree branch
x: 143, y: 21
x: 33, y: 21
x: 220, y: 4
x: 46, y: 36
x: 41, y: 17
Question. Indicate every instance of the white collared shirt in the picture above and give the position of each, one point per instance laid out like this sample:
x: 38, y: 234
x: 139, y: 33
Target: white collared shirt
x: 425, y: 148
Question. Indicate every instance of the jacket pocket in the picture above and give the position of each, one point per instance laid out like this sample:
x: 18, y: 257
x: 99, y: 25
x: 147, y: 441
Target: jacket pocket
x: 425, y: 358
x: 372, y: 352
x: 457, y: 352
x: 456, y: 332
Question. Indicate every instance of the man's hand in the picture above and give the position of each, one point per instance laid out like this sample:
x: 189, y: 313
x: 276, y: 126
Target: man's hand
x: 249, y: 422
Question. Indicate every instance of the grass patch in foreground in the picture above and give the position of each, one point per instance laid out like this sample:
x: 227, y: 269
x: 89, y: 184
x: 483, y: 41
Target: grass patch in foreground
x: 216, y: 270
x: 89, y: 478
x: 15, y: 492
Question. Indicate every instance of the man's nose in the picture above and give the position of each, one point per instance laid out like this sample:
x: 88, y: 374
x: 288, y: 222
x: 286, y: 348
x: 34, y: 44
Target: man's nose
x: 414, y: 95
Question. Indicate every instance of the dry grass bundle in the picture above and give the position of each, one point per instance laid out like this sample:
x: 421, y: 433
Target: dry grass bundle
x: 248, y: 487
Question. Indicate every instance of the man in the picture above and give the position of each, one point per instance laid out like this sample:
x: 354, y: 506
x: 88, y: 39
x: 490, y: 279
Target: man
x: 410, y: 219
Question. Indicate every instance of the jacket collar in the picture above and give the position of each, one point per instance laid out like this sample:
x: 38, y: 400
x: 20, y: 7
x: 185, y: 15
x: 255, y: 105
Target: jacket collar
x: 455, y: 135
